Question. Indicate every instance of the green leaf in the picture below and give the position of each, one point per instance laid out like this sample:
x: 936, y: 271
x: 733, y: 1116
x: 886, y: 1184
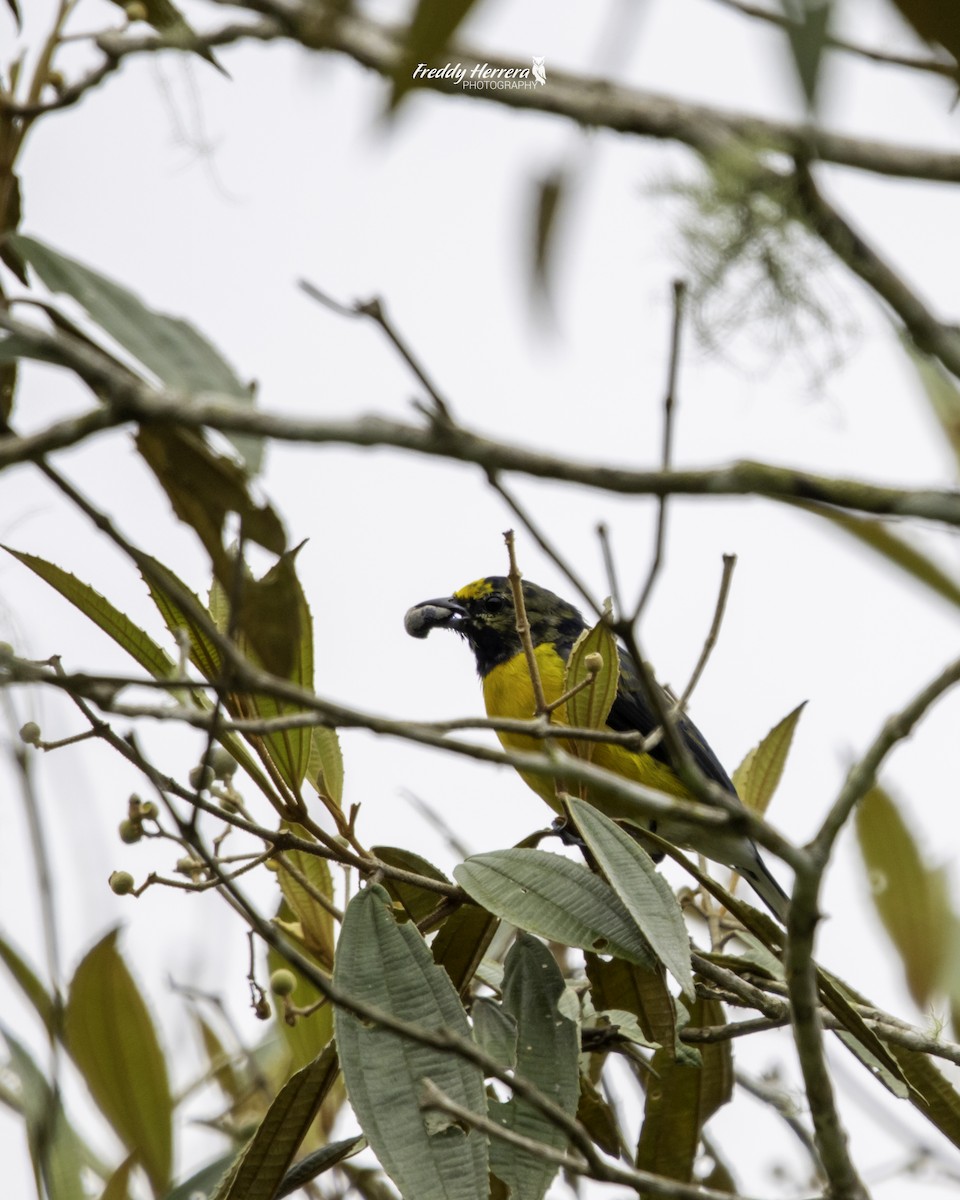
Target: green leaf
x: 911, y: 899
x: 289, y: 749
x: 308, y: 1036
x: 112, y: 1039
x: 325, y: 764
x: 116, y: 624
x: 550, y: 195
x: 118, y: 1185
x: 169, y: 347
x: 494, y: 1031
x: 261, y: 1167
x: 315, y: 919
x: 57, y: 1154
x: 598, y: 1118
x: 390, y: 967
x: 878, y: 536
x: 314, y: 1164
x: 617, y: 986
x: 942, y: 392
x: 646, y: 895
x: 547, y: 1056
x: 462, y: 941
x: 857, y: 1035
x: 204, y: 655
x: 930, y: 1092
x: 806, y: 31
x: 202, y: 651
x: 758, y: 776
x: 205, y: 490
x: 417, y: 901
x: 589, y: 708
x: 556, y: 898
x: 203, y: 1182
x: 681, y: 1098
x: 30, y: 984
x: 431, y: 29
x: 220, y: 1062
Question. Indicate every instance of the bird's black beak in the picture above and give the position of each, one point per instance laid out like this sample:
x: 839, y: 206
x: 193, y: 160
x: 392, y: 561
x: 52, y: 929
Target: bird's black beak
x: 434, y: 614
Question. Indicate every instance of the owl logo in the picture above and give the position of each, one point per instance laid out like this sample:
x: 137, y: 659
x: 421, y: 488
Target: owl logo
x: 539, y: 70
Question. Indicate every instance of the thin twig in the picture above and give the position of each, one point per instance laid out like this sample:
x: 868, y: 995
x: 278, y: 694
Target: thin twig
x: 666, y: 451
x: 729, y: 562
x: 613, y: 583
x: 375, y: 310
x: 543, y: 541
x: 523, y: 626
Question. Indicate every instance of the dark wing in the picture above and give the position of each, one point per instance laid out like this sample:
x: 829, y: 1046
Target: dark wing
x: 631, y: 711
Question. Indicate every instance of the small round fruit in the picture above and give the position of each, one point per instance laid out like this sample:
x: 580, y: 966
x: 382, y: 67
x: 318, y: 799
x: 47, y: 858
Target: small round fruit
x: 121, y: 883
x: 282, y: 982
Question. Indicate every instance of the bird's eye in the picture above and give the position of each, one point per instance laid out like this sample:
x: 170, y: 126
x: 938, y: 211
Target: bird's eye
x: 493, y: 604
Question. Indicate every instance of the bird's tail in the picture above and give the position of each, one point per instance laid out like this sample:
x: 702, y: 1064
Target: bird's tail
x: 766, y: 887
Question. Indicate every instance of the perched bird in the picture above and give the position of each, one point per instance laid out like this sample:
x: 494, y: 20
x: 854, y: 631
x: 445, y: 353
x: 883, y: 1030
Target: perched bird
x: 483, y: 613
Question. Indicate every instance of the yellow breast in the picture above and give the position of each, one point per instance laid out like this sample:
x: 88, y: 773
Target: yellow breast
x: 508, y: 692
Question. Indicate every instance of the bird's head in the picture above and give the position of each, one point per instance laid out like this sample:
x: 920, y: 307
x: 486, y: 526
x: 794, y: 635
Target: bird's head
x: 483, y: 612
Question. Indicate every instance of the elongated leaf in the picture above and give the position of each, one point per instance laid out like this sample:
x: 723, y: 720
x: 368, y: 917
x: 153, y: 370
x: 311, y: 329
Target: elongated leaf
x: 495, y: 1031
x: 325, y: 764
x: 879, y: 537
x: 590, y: 707
x: 221, y: 1063
x: 56, y: 1152
x: 205, y: 489
x: 103, y: 614
x: 309, y: 1036
x: 417, y: 901
x: 169, y: 347
x: 546, y: 1056
x: 206, y: 657
x: 930, y: 1092
x: 118, y: 1185
x: 646, y: 895
x: 261, y: 1167
x: 313, y: 1165
x: 806, y: 29
x: 911, y: 899
x: 556, y: 898
x: 289, y: 749
x: 617, y: 985
x: 389, y: 966
x: 203, y: 652
x: 112, y: 1039
x: 203, y: 1182
x: 681, y: 1098
x: 550, y: 192
x: 757, y: 777
x: 942, y: 392
x: 598, y: 1118
x: 462, y: 941
x: 315, y: 918
x: 30, y: 984
x: 857, y: 1035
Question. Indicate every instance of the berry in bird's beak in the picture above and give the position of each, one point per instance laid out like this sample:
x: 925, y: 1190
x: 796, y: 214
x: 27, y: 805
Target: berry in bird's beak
x: 432, y: 614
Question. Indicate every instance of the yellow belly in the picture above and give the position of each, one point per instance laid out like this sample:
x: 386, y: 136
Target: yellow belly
x: 508, y: 692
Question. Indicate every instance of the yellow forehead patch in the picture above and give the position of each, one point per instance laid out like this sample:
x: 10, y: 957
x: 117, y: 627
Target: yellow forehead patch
x: 473, y: 591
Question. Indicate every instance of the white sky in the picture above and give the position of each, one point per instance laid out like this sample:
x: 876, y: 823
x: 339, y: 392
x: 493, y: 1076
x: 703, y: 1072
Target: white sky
x: 210, y: 198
